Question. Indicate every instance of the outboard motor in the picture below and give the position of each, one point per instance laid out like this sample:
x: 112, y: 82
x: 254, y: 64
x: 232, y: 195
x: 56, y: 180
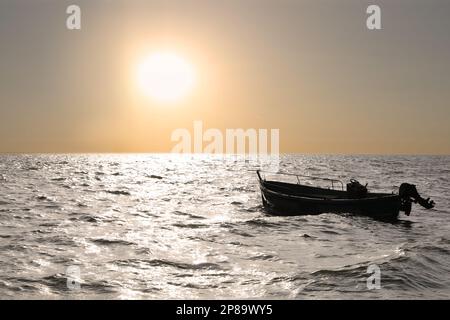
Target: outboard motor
x: 408, y: 194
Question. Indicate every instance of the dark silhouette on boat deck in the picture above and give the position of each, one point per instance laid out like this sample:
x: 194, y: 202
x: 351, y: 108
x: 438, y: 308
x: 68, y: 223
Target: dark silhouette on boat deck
x: 287, y: 199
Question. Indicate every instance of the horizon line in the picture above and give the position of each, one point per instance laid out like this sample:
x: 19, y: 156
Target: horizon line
x: 220, y: 154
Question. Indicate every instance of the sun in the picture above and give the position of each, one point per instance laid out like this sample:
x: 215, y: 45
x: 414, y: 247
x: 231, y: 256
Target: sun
x: 165, y: 77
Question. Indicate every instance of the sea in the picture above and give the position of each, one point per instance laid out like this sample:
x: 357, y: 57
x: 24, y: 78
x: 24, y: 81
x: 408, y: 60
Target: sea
x: 161, y: 226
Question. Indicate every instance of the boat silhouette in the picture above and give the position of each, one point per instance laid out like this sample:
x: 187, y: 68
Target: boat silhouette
x: 287, y: 199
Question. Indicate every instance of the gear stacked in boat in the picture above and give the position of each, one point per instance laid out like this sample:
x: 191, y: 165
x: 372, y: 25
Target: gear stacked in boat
x: 356, y: 190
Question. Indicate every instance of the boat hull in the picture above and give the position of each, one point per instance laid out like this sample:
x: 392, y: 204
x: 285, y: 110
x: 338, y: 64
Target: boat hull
x: 310, y: 202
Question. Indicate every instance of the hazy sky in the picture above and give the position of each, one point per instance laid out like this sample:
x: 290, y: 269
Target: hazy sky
x: 310, y: 68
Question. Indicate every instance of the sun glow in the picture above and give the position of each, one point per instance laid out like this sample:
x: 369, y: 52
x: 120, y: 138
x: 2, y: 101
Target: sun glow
x: 165, y: 77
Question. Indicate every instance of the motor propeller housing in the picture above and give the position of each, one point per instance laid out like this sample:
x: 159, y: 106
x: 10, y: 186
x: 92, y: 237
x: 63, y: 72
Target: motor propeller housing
x: 408, y: 194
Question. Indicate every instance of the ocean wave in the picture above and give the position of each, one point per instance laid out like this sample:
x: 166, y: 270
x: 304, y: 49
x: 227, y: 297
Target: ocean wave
x: 119, y: 192
x: 252, y: 209
x: 5, y: 236
x: 154, y: 176
x: 110, y: 242
x: 264, y: 256
x: 264, y: 223
x: 99, y: 287
x: 32, y: 168
x: 192, y: 285
x: 398, y: 272
x: 58, y: 282
x: 58, y: 179
x: 60, y: 240
x: 168, y: 263
x: 85, y: 218
x: 190, y: 225
x: 44, y: 198
x: 241, y: 233
x: 192, y: 216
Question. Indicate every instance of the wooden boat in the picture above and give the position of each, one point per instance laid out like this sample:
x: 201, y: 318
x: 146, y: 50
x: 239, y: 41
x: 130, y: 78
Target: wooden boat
x: 282, y: 198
